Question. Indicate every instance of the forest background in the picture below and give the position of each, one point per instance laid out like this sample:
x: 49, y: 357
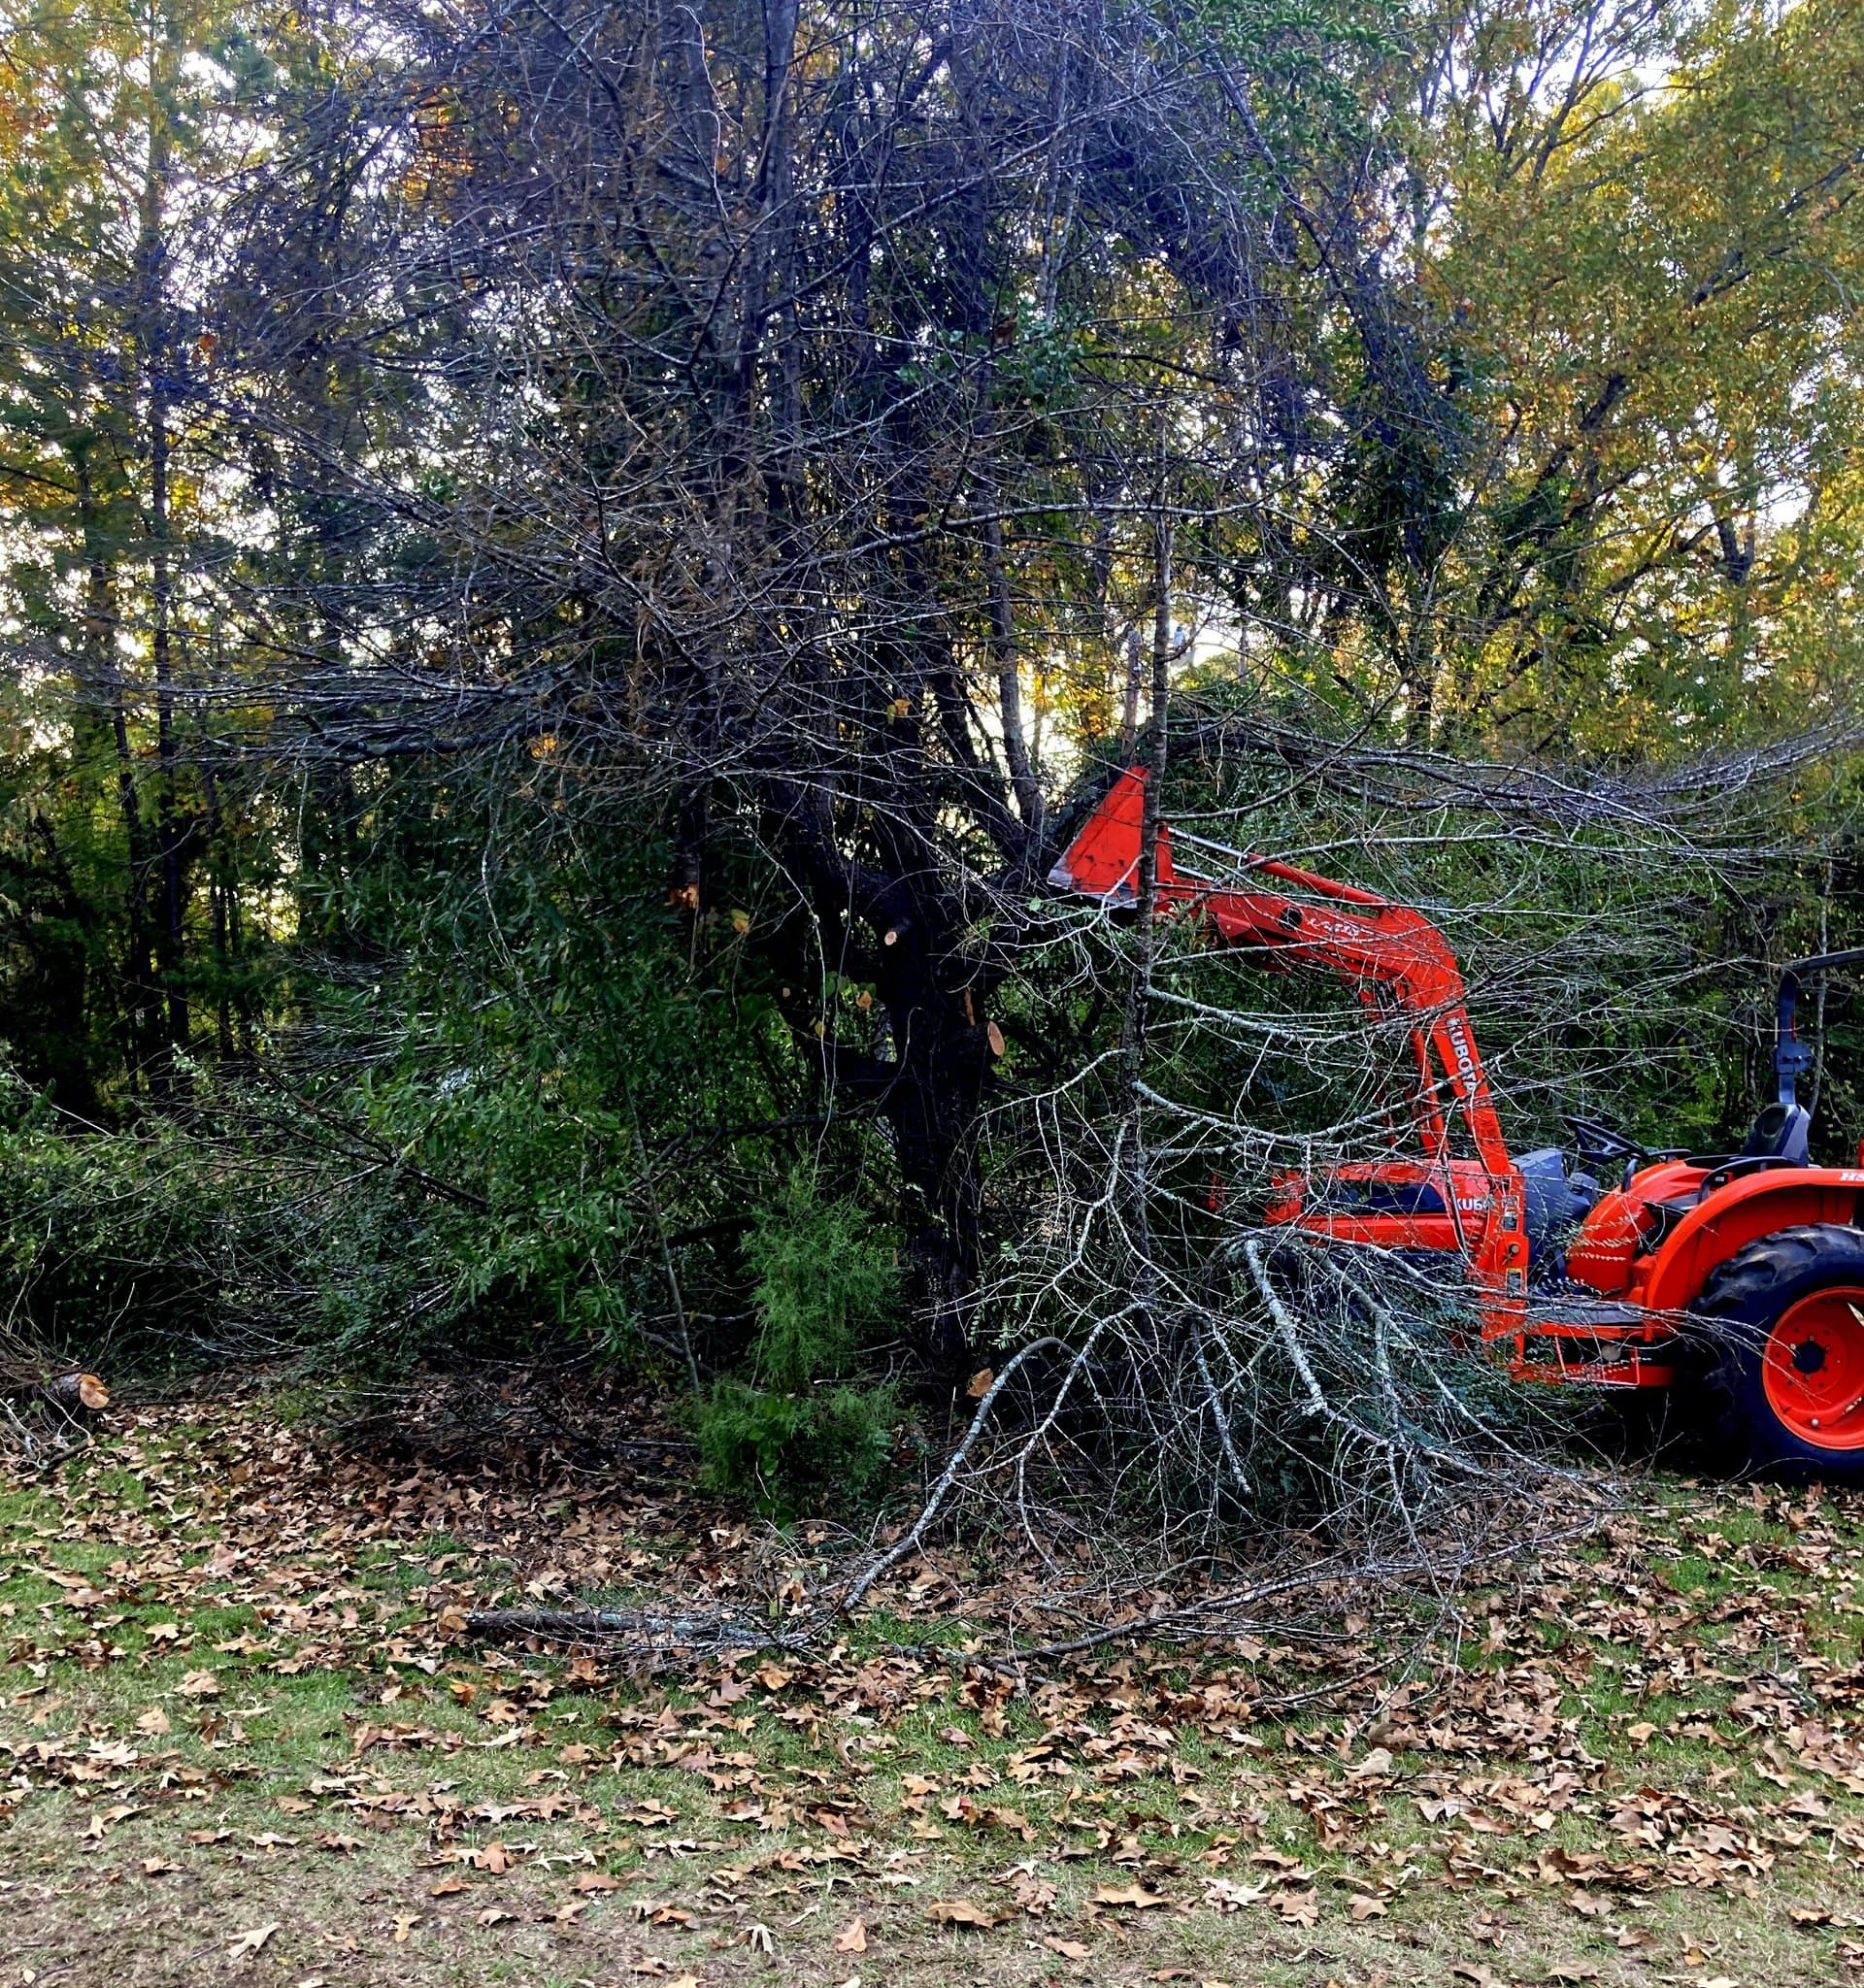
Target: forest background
x: 565, y: 572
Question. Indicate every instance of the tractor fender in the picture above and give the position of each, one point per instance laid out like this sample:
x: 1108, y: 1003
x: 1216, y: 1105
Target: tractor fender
x: 1747, y: 1207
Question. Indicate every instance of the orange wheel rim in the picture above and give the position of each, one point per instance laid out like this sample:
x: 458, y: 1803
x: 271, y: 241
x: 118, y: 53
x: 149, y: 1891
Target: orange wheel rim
x: 1812, y: 1370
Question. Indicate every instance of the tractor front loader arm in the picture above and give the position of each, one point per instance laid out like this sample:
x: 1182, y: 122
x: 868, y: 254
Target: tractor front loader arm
x: 1398, y: 964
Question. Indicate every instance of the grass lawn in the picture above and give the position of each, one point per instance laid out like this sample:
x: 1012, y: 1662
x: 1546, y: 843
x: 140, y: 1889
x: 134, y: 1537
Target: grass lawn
x: 240, y: 1735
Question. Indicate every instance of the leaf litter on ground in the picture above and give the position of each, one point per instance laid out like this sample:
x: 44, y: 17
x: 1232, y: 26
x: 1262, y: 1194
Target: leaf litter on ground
x: 1649, y: 1740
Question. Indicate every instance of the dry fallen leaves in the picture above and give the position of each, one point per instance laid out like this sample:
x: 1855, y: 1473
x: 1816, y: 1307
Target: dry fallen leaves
x: 959, y: 1912
x: 1229, y: 1896
x: 243, y: 1946
x: 1128, y: 1895
x: 1489, y: 1768
x: 852, y: 1938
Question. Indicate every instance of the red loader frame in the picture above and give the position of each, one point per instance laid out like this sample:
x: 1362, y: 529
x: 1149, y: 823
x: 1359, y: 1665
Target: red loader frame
x: 1643, y: 1251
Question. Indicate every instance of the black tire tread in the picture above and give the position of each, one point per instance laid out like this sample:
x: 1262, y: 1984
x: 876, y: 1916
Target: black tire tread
x: 1743, y: 1290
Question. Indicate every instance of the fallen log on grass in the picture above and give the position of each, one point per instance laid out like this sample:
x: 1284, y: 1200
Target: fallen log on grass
x: 72, y: 1392
x: 610, y: 1625
x: 75, y: 1400
x: 78, y: 1394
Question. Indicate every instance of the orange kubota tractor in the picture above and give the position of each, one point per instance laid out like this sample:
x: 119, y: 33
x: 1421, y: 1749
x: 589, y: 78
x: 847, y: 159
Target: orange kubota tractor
x: 1738, y: 1278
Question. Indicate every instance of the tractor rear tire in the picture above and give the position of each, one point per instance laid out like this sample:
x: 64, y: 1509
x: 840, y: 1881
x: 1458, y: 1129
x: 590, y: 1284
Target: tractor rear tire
x: 1781, y: 1388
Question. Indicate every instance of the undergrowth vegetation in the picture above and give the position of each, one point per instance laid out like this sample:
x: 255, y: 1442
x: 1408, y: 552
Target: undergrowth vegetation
x: 529, y: 803
x: 530, y: 1106
x: 798, y: 1434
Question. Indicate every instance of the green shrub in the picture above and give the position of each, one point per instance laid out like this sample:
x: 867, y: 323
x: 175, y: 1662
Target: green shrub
x: 799, y: 1431
x: 122, y: 1248
x: 246, y: 1226
x: 790, y: 1452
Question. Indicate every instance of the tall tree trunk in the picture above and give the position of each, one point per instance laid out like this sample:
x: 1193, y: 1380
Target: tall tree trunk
x: 933, y: 1107
x: 138, y: 995
x: 221, y: 883
x: 155, y: 341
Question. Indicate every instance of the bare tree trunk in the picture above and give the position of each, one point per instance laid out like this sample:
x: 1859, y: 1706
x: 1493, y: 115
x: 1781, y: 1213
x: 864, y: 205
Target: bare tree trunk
x: 222, y: 886
x: 139, y: 994
x: 1003, y: 645
x: 1135, y: 678
x: 153, y: 334
x: 1139, y: 992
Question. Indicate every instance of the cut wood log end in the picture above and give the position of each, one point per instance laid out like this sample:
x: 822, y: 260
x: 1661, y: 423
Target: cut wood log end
x: 78, y: 1393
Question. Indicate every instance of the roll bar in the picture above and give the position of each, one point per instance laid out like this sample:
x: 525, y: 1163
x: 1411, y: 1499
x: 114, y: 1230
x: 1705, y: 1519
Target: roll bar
x: 1791, y: 1056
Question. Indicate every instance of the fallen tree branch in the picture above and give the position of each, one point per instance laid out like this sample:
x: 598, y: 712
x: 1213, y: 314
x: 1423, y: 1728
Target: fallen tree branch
x: 43, y: 1464
x: 602, y: 1625
x: 909, y: 1540
x: 78, y: 1394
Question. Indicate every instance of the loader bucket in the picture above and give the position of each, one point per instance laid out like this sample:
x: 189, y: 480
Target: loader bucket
x: 1103, y: 859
